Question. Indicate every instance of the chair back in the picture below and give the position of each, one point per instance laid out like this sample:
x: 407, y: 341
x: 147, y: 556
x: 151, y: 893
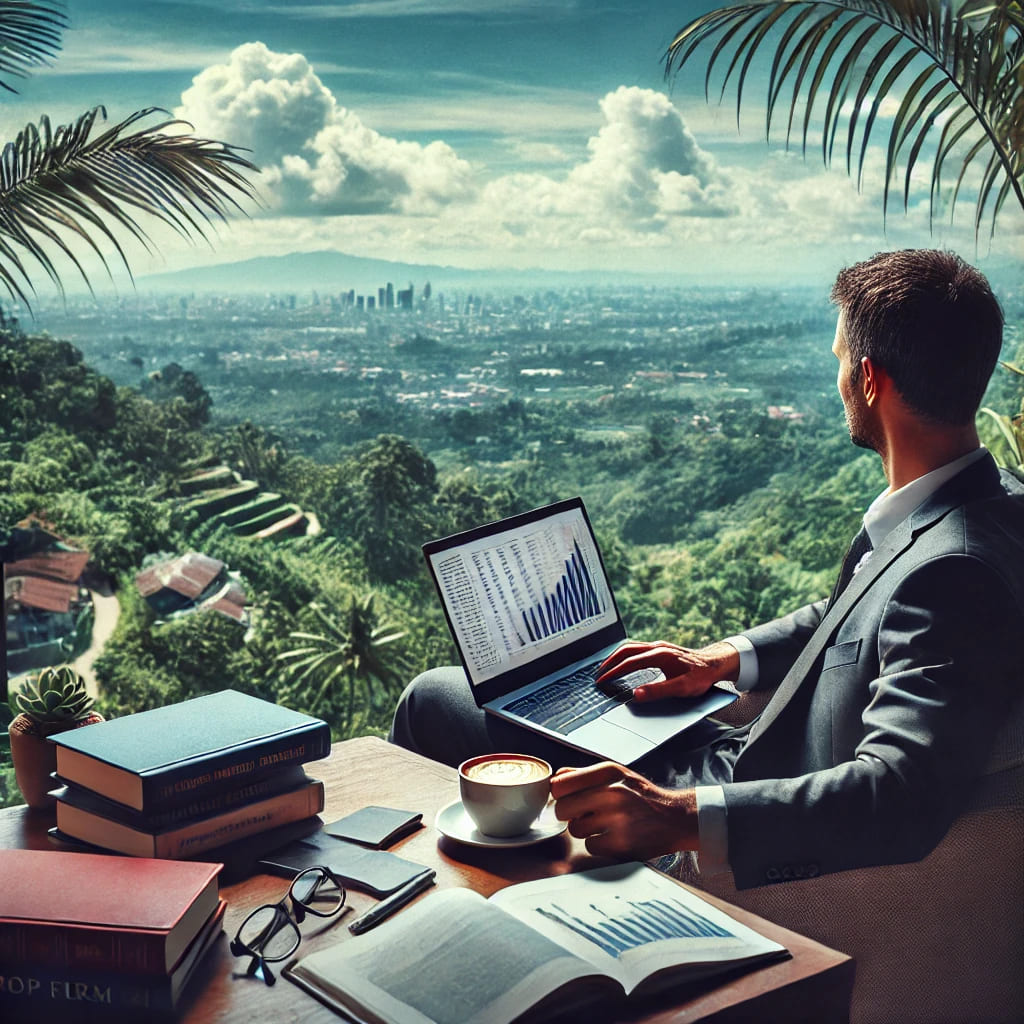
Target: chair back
x: 938, y: 941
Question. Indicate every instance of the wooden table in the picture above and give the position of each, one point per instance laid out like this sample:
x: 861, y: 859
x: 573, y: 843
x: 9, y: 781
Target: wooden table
x: 813, y: 986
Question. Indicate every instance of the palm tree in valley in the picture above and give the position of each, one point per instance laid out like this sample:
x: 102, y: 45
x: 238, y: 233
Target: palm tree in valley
x: 348, y: 667
x: 952, y: 70
x: 83, y: 186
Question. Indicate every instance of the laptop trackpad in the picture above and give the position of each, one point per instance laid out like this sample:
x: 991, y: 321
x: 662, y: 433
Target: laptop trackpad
x: 660, y: 720
x: 611, y: 742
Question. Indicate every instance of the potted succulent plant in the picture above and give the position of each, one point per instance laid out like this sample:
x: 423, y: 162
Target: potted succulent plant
x: 52, y: 701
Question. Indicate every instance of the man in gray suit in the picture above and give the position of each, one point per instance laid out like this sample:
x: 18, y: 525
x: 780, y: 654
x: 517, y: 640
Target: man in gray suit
x: 890, y: 693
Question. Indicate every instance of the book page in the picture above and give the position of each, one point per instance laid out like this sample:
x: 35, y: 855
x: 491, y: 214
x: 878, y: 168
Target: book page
x: 452, y: 958
x: 632, y: 922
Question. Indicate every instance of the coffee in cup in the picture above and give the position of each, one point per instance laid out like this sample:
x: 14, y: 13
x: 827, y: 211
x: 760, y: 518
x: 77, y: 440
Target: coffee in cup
x: 504, y: 793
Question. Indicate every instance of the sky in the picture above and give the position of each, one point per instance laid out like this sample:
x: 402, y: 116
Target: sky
x: 525, y: 134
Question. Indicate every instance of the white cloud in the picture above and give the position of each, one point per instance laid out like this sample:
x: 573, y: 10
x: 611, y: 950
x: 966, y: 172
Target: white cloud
x: 538, y: 152
x: 318, y: 158
x: 642, y: 193
x: 644, y: 170
x: 645, y: 165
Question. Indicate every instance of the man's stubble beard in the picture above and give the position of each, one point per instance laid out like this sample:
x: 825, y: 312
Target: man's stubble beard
x: 858, y: 418
x: 861, y: 440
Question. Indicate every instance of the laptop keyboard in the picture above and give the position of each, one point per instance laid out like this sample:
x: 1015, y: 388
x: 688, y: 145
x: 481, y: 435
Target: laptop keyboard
x: 566, y: 703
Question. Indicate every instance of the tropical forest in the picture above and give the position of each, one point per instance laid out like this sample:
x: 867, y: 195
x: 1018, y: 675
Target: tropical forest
x: 701, y: 426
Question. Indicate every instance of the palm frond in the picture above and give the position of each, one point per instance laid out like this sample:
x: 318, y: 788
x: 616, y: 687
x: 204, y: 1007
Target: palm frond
x: 1012, y: 434
x: 960, y: 66
x: 346, y: 661
x: 30, y: 35
x: 57, y: 186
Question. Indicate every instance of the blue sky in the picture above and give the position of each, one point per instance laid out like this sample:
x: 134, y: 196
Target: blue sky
x: 537, y: 133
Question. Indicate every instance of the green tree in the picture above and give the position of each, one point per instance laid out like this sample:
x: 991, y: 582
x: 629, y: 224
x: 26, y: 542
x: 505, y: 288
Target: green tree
x: 256, y: 453
x: 182, y: 390
x: 46, y: 384
x: 463, y: 503
x: 394, y: 489
x: 346, y: 671
x: 957, y: 64
x: 81, y: 186
x: 154, y: 438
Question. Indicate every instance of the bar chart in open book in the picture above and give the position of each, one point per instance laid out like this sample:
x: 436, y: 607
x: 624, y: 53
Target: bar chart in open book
x: 620, y: 925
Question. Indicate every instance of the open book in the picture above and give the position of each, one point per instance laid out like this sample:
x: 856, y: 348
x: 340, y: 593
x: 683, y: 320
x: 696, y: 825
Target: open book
x: 548, y: 948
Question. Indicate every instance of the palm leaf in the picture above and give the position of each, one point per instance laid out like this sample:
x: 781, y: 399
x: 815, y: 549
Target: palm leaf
x: 933, y: 55
x: 30, y: 34
x: 1010, y: 432
x: 62, y: 185
x: 346, y: 659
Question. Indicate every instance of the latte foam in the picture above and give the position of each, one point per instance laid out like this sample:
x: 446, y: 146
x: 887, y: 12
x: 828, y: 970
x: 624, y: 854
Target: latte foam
x: 506, y: 771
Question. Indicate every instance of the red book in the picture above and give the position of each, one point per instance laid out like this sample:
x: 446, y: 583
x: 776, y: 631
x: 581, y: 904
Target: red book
x: 45, y: 992
x: 103, y: 912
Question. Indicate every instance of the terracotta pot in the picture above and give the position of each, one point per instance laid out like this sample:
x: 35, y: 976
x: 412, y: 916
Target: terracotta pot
x: 35, y: 757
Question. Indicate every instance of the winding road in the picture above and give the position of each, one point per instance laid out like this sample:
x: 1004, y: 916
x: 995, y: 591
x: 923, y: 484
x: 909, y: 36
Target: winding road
x: 107, y: 610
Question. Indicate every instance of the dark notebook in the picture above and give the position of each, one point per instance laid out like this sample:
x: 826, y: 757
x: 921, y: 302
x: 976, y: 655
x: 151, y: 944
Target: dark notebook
x: 374, y: 826
x: 376, y: 872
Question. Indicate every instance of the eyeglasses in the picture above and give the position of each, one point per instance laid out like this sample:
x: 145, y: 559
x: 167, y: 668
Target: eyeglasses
x: 271, y: 932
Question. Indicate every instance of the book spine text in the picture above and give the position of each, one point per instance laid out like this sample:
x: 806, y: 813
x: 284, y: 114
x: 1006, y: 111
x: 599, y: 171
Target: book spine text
x: 198, y: 777
x: 204, y: 807
x: 45, y: 991
x: 95, y: 949
x: 243, y: 822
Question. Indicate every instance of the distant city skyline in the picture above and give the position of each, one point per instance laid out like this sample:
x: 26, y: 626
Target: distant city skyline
x: 457, y: 132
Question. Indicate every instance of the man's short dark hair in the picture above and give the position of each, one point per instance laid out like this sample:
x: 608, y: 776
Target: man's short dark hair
x: 930, y: 321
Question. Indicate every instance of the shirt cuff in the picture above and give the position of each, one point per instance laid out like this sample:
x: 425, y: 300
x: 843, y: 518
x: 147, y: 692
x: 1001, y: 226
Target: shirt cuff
x: 712, y: 831
x: 747, y: 678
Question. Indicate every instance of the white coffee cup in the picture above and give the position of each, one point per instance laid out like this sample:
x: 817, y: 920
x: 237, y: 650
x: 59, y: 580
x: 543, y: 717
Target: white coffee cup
x: 504, y: 793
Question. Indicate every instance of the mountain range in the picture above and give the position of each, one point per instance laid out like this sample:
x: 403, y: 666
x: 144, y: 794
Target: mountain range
x: 332, y: 272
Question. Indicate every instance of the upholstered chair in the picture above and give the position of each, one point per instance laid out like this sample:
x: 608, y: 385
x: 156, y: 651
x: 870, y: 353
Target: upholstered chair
x: 939, y: 941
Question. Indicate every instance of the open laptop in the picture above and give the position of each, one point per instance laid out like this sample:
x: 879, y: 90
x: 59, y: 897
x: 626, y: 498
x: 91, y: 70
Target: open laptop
x: 533, y: 616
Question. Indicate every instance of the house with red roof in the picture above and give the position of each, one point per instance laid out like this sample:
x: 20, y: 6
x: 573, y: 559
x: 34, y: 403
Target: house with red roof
x: 192, y: 582
x: 49, y: 611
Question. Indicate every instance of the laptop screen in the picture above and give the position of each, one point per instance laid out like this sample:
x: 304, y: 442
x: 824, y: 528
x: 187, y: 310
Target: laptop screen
x: 525, y: 596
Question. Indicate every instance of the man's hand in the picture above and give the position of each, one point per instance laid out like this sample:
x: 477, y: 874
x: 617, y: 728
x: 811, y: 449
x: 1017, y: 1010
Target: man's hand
x: 620, y: 814
x: 688, y: 673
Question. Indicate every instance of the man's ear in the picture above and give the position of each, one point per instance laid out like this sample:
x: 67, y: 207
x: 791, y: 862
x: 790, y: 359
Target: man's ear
x: 873, y: 380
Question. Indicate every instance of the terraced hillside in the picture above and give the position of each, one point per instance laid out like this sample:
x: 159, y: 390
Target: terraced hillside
x: 219, y: 496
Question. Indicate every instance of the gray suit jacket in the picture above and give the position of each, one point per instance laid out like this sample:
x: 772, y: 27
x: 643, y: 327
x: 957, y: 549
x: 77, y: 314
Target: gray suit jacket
x: 887, y: 702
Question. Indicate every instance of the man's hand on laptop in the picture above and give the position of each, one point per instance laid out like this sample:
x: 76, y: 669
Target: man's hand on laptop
x: 621, y: 814
x: 688, y: 673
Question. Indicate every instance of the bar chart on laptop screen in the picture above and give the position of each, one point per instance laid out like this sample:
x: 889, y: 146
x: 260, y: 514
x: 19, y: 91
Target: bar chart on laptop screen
x: 514, y: 596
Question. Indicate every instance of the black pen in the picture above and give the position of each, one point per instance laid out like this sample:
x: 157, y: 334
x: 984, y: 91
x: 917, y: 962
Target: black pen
x: 395, y: 901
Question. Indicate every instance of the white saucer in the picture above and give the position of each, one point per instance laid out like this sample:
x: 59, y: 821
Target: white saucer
x: 453, y: 821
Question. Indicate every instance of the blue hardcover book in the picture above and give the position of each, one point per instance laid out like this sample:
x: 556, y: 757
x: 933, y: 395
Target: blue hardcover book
x: 183, y: 751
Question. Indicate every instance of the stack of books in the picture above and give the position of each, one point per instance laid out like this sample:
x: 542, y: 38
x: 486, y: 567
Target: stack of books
x: 190, y: 779
x: 87, y: 935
